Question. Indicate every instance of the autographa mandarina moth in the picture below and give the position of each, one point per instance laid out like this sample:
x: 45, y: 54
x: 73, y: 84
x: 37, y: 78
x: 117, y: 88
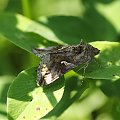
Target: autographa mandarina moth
x: 57, y: 60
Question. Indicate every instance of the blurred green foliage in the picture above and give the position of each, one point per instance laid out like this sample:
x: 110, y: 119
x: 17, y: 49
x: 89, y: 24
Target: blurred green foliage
x: 62, y: 21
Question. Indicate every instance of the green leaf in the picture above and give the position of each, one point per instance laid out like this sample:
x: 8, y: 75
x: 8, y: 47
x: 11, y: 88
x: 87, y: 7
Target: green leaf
x: 4, y: 85
x: 25, y: 33
x: 49, y: 101
x: 107, y: 73
x: 26, y: 100
x: 107, y: 65
x: 74, y: 87
x: 111, y: 88
x: 72, y: 29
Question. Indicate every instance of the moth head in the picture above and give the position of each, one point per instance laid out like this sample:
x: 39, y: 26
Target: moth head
x: 96, y: 51
x: 92, y: 50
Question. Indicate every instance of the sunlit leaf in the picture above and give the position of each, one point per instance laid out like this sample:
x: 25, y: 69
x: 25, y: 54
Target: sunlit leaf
x: 26, y: 100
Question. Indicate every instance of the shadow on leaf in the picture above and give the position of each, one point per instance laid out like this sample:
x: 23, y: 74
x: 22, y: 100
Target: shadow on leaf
x: 73, y: 89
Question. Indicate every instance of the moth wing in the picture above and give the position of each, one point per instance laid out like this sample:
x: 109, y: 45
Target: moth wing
x: 68, y: 66
x: 51, y: 77
x: 55, y: 72
x: 41, y: 52
x: 48, y: 74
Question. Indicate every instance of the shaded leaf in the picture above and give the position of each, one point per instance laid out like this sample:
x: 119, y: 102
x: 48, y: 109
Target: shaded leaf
x: 4, y: 85
x: 24, y: 32
x: 111, y: 88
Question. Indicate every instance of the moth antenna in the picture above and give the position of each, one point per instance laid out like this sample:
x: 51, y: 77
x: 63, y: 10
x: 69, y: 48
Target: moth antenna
x: 83, y: 67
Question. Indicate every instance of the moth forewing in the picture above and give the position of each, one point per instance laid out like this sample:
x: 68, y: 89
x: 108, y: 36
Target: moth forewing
x: 58, y: 60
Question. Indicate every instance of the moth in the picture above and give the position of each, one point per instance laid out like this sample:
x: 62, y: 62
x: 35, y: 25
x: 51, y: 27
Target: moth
x: 57, y: 60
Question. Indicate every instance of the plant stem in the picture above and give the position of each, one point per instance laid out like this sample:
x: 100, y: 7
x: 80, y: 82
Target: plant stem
x: 26, y: 8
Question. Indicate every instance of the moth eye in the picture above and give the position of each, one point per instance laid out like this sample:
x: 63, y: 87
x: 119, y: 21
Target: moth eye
x: 96, y: 51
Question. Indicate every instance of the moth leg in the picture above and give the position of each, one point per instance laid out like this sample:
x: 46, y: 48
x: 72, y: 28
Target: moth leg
x: 68, y: 65
x: 84, y: 68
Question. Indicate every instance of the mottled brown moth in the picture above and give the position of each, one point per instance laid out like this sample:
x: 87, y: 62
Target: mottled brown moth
x: 57, y: 60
